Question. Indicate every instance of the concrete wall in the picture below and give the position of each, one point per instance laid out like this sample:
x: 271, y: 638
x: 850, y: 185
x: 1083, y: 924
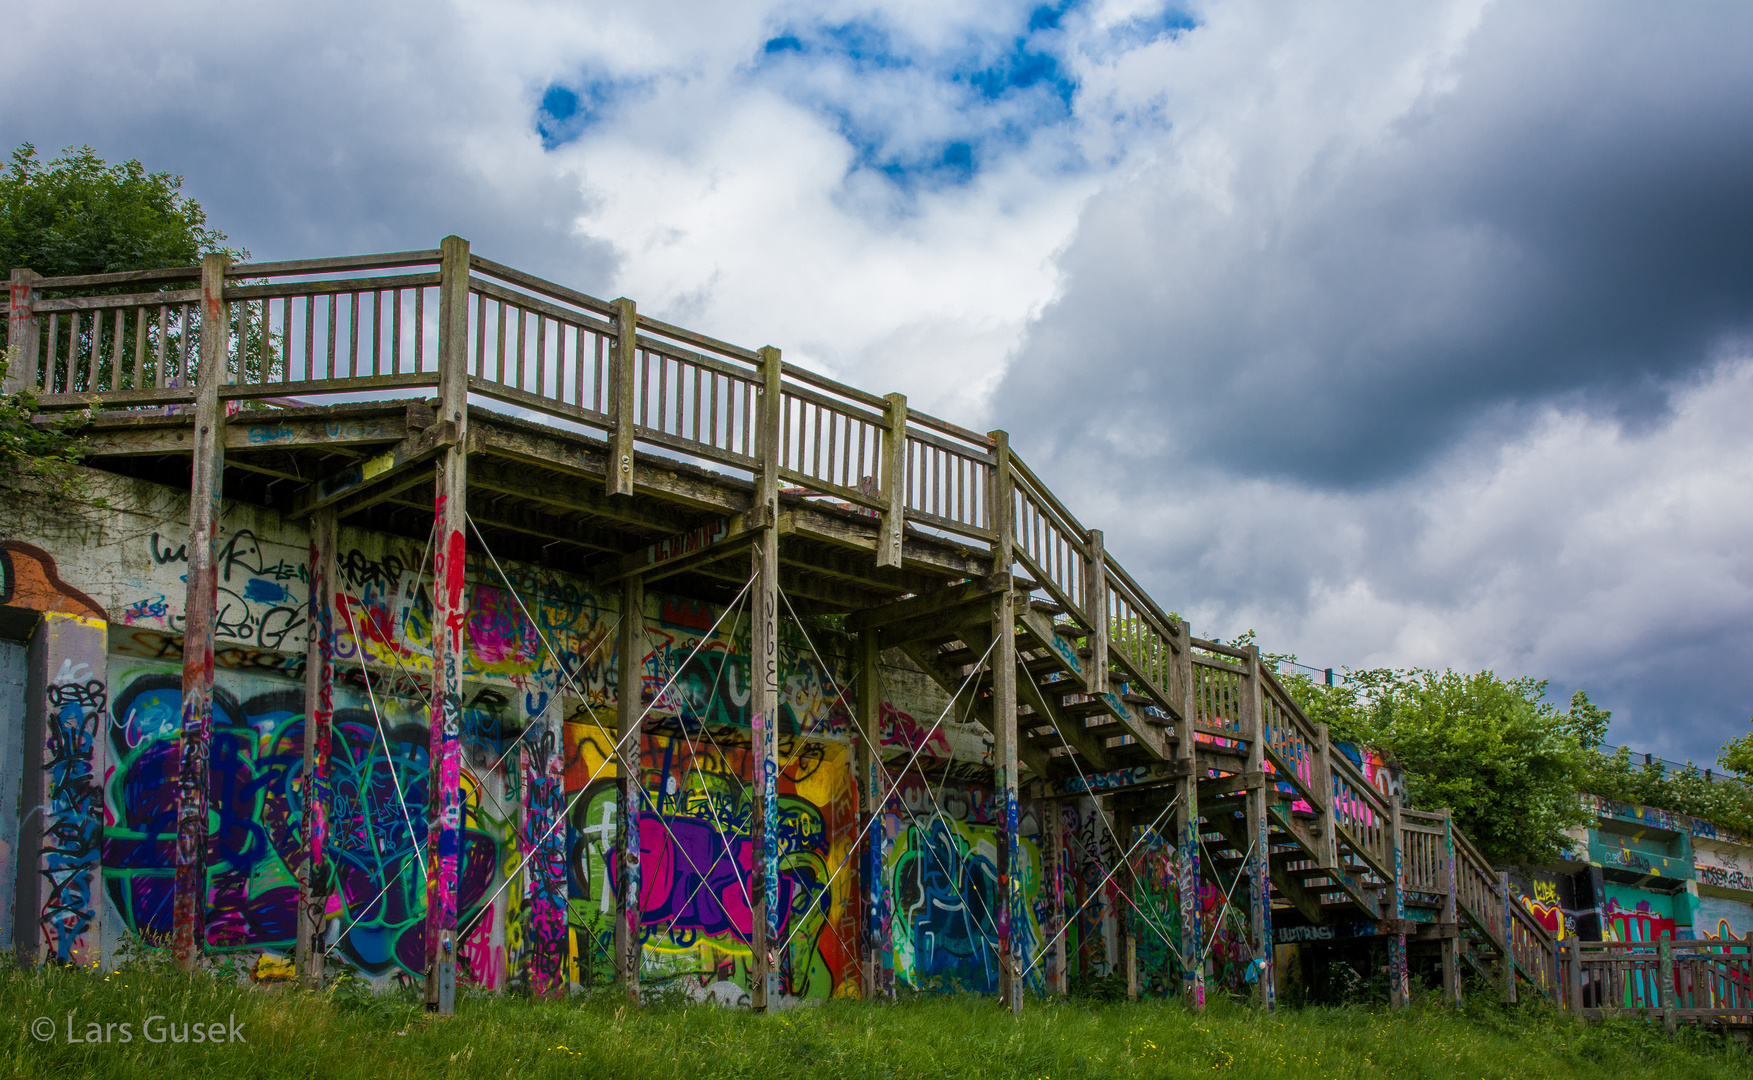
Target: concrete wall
x: 116, y: 560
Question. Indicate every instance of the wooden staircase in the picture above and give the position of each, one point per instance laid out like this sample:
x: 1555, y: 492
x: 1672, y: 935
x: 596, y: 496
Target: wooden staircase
x: 1332, y: 838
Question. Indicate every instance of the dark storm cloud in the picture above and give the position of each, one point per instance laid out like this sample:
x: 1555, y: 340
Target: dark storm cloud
x: 326, y: 130
x: 1564, y: 213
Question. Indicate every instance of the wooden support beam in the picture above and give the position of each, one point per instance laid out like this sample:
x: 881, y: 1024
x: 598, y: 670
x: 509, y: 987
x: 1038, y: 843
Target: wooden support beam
x: 449, y: 650
x: 630, y: 784
x: 894, y: 483
x: 116, y: 437
x: 877, y: 951
x: 797, y: 584
x: 1506, y: 961
x: 506, y: 478
x: 836, y: 562
x: 388, y: 491
x: 415, y: 449
x: 1071, y: 728
x: 1147, y: 777
x: 579, y: 457
x: 623, y: 376
x: 1451, y: 946
x: 1012, y: 912
x: 189, y: 898
x: 934, y: 556
x: 1187, y: 834
x: 1259, y: 836
x: 1057, y: 879
x: 1125, y: 924
x: 1095, y: 603
x: 542, y: 758
x: 315, y: 877
x: 929, y: 606
x: 765, y: 986
x: 1399, y: 982
x: 552, y: 528
x: 683, y: 551
x: 22, y: 333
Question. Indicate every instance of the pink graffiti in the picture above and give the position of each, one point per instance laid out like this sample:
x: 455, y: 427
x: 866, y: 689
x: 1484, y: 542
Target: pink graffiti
x: 900, y: 729
x: 484, y: 960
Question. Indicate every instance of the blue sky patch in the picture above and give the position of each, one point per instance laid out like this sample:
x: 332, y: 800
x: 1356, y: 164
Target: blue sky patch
x: 975, y: 100
x: 566, y: 112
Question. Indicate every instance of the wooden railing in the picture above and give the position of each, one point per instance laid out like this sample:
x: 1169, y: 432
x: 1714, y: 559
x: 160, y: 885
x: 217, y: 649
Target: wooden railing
x: 1219, y: 684
x: 1143, y: 639
x: 1479, y: 894
x: 1681, y: 981
x: 1532, y: 948
x: 1363, y: 818
x: 1291, y: 739
x: 1424, y: 851
x: 1050, y: 543
x: 316, y: 326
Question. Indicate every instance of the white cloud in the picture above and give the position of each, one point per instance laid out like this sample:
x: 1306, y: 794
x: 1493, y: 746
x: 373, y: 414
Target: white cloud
x: 1335, y: 296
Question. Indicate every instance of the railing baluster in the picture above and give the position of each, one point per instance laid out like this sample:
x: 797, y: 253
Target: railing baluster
x: 541, y: 354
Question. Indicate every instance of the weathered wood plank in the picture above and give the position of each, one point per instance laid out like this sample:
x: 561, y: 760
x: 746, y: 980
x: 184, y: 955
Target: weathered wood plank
x: 686, y: 550
x: 413, y: 450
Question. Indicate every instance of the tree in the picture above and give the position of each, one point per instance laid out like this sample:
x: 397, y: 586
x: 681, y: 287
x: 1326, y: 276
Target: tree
x: 1492, y: 750
x: 1737, y: 755
x: 78, y: 214
x: 74, y: 215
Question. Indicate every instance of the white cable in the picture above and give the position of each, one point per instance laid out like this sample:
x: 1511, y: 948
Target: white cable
x: 826, y: 886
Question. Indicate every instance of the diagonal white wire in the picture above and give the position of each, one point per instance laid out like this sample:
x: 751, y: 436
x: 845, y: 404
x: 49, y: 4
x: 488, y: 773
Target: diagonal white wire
x: 615, y: 752
x: 693, y: 751
x: 828, y: 885
x: 631, y: 766
x: 389, y: 758
x: 1097, y: 891
x: 1235, y: 881
x: 1072, y: 755
x: 839, y: 694
x: 937, y: 809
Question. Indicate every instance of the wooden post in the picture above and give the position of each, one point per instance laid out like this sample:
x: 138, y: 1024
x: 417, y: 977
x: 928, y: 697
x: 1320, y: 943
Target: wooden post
x: 1187, y: 876
x: 1012, y: 915
x: 1507, y: 976
x: 1095, y: 605
x: 449, y: 619
x: 543, y: 765
x: 207, y: 468
x: 1125, y: 925
x: 623, y: 379
x: 1665, y: 983
x: 315, y: 876
x: 1259, y: 835
x: 1059, y: 976
x: 59, y: 902
x: 1574, y: 964
x: 894, y: 482
x: 630, y: 785
x: 874, y: 946
x: 764, y: 984
x: 1322, y: 782
x: 21, y: 333
x: 1451, y: 945
x: 1399, y: 988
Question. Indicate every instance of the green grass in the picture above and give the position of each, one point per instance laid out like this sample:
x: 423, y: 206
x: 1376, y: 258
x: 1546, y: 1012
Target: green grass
x: 340, y: 1034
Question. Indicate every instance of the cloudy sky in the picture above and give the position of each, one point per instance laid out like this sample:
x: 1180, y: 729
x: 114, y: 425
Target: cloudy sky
x: 1413, y: 335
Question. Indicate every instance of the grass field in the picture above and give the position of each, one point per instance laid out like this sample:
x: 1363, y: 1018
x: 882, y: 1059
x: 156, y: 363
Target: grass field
x: 340, y: 1035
